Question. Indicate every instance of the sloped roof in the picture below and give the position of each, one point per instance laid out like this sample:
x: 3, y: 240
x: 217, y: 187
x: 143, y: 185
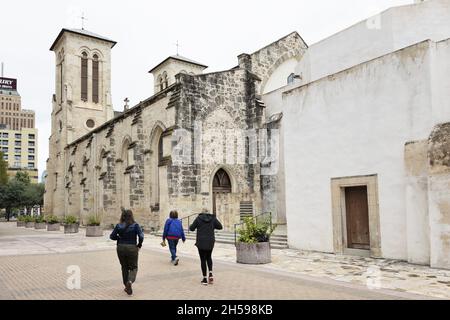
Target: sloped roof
x: 84, y: 33
x: 180, y: 58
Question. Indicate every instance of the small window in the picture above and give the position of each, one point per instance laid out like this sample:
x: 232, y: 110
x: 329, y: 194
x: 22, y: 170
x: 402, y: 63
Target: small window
x: 30, y: 165
x: 90, y: 123
x: 31, y: 150
x: 31, y: 143
x: 30, y: 158
x: 18, y: 136
x: 17, y: 150
x: 291, y: 78
x: 17, y: 157
x: 17, y: 143
x: 31, y: 136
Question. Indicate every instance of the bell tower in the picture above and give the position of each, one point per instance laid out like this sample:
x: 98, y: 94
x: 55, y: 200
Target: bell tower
x: 81, y: 102
x: 82, y: 82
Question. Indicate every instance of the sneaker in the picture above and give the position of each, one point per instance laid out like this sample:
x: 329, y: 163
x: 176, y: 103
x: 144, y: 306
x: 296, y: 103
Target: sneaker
x: 210, y: 279
x: 128, y: 288
x: 175, y: 262
x: 204, y: 282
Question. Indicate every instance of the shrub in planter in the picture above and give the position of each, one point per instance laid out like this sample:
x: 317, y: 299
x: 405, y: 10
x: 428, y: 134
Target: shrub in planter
x: 93, y: 228
x: 39, y: 223
x: 71, y: 224
x: 253, y: 246
x: 21, y: 221
x: 29, y: 222
x: 53, y: 223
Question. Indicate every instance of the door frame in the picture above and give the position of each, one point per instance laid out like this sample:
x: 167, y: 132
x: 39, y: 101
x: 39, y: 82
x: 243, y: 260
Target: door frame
x: 338, y: 186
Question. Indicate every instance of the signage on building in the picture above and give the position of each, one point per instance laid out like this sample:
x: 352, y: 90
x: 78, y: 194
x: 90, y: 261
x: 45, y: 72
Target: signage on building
x: 8, y: 84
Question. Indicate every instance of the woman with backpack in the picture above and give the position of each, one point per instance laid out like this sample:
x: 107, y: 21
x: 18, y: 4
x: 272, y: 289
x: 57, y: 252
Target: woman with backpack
x: 126, y: 234
x: 173, y: 232
x: 205, y: 224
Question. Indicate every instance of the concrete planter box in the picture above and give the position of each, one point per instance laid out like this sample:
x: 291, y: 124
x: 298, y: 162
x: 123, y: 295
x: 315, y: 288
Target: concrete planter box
x: 253, y: 253
x: 29, y: 225
x: 94, y: 231
x: 40, y: 225
x: 53, y: 227
x: 21, y: 223
x: 71, y: 228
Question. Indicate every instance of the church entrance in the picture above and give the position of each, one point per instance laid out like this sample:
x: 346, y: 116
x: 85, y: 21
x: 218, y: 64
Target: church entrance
x: 357, y: 218
x: 221, y: 186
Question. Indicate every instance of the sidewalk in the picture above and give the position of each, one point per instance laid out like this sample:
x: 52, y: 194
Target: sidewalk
x: 374, y: 273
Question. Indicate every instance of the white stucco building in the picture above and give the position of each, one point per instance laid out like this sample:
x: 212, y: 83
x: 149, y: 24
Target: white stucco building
x: 365, y: 138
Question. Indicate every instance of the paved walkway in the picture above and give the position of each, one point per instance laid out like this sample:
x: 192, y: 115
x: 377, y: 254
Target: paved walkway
x: 33, y: 265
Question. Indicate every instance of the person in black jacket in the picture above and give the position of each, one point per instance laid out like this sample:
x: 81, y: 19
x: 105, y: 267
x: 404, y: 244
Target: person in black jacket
x: 205, y: 224
x: 126, y: 233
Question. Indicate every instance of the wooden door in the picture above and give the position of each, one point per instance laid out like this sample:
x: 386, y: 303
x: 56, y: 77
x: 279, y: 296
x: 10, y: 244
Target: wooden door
x: 221, y: 184
x: 357, y: 217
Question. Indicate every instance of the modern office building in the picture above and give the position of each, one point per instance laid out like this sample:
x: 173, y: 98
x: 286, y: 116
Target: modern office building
x: 18, y: 136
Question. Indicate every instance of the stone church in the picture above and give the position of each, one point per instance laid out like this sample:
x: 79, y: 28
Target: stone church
x: 201, y: 140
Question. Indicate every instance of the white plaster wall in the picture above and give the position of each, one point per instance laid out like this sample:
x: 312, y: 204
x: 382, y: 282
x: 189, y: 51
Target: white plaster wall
x: 354, y: 123
x: 441, y: 81
x: 389, y: 31
x: 279, y: 77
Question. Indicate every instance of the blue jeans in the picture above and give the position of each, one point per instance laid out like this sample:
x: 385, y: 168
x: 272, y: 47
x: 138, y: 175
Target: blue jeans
x: 173, y: 247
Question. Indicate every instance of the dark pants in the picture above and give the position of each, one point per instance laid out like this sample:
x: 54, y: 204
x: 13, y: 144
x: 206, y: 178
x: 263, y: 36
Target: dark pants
x: 173, y: 247
x: 128, y: 257
x: 205, y: 258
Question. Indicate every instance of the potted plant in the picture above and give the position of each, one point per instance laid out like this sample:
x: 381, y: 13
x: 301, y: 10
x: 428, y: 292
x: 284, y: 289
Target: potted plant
x: 71, y: 224
x: 253, y: 246
x: 53, y: 223
x: 39, y: 223
x: 93, y: 228
x: 29, y: 222
x: 21, y: 221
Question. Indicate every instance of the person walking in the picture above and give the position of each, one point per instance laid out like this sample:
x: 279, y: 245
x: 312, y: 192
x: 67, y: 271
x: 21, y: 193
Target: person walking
x: 126, y: 234
x: 173, y: 232
x: 205, y: 224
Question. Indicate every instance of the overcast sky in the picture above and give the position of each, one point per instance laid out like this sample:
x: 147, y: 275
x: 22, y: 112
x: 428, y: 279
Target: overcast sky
x: 209, y: 31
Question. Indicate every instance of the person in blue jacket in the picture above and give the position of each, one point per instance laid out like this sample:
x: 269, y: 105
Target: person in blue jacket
x: 173, y: 232
x: 126, y: 234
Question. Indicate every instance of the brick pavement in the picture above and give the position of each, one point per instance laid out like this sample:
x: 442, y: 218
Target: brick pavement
x: 33, y: 266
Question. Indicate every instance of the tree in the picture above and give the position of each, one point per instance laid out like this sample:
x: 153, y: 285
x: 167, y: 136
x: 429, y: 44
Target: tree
x: 12, y: 196
x: 33, y: 195
x: 23, y: 177
x: 3, y: 170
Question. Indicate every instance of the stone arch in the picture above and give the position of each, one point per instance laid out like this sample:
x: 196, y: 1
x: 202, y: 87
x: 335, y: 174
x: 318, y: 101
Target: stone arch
x: 285, y: 57
x: 155, y: 136
x: 231, y: 175
x: 122, y: 180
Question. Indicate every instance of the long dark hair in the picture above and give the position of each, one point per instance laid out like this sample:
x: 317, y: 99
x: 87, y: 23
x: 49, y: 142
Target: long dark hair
x: 127, y: 217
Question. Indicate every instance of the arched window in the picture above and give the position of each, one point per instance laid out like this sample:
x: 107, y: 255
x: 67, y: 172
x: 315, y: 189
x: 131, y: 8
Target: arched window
x: 84, y: 76
x: 160, y: 150
x: 161, y: 84
x: 166, y: 80
x: 95, y: 79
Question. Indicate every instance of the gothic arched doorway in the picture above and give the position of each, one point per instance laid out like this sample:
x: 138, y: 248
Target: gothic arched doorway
x: 221, y: 185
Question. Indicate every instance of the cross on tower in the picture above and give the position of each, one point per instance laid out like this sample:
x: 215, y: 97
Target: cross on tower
x: 82, y: 20
x: 126, y: 103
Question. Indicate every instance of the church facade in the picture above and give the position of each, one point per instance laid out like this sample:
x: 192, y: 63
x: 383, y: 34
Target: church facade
x: 202, y: 140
